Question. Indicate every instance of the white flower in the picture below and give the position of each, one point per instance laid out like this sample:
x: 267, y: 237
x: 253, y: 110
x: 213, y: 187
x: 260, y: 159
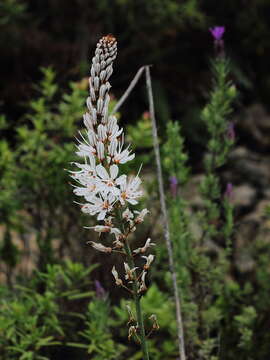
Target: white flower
x: 140, y: 217
x: 88, y: 192
x: 118, y: 281
x: 115, y: 151
x: 89, y: 185
x: 131, y: 331
x: 86, y: 170
x: 117, y: 233
x: 106, y: 228
x: 142, y: 287
x: 101, y: 247
x: 99, y: 205
x: 118, y: 244
x: 121, y: 157
x: 102, y: 132
x: 149, y: 260
x: 100, y: 228
x: 87, y: 178
x: 127, y: 215
x: 89, y: 120
x: 108, y: 221
x: 153, y: 318
x: 108, y: 181
x: 129, y: 190
x: 113, y: 129
x: 143, y: 249
x: 129, y: 272
x: 85, y: 150
x: 100, y: 150
x: 112, y: 147
x: 92, y: 137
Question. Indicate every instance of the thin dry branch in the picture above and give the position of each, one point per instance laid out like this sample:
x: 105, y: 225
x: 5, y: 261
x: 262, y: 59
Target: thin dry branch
x: 165, y: 217
x: 133, y: 83
x: 128, y: 91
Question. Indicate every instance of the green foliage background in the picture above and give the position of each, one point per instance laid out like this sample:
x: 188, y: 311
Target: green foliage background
x: 49, y: 306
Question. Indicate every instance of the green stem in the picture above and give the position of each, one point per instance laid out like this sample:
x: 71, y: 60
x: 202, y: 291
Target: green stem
x: 137, y: 304
x: 135, y: 289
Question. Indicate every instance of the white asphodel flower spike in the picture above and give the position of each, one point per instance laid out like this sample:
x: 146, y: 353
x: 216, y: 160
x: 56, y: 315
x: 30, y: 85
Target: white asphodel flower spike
x: 109, y: 194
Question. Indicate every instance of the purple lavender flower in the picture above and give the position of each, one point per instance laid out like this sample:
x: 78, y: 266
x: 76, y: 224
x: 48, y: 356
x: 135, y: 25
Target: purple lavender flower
x: 229, y: 192
x: 173, y: 185
x: 217, y: 32
x: 100, y: 291
x: 231, y: 131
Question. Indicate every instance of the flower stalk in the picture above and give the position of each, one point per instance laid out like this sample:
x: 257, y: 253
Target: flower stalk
x: 108, y: 195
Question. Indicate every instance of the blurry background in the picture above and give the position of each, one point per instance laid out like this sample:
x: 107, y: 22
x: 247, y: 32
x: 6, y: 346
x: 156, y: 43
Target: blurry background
x: 46, y: 50
x: 171, y: 35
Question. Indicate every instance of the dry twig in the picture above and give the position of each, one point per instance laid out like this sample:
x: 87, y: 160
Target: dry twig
x: 165, y: 217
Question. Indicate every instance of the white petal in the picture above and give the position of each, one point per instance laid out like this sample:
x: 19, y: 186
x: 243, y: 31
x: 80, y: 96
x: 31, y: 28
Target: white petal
x: 80, y: 191
x: 101, y: 215
x: 114, y: 171
x: 132, y: 201
x: 135, y: 183
x: 122, y: 181
x: 127, y: 158
x: 102, y: 172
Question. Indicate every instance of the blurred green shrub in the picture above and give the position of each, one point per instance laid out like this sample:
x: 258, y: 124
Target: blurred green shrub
x: 35, y: 199
x: 39, y: 315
